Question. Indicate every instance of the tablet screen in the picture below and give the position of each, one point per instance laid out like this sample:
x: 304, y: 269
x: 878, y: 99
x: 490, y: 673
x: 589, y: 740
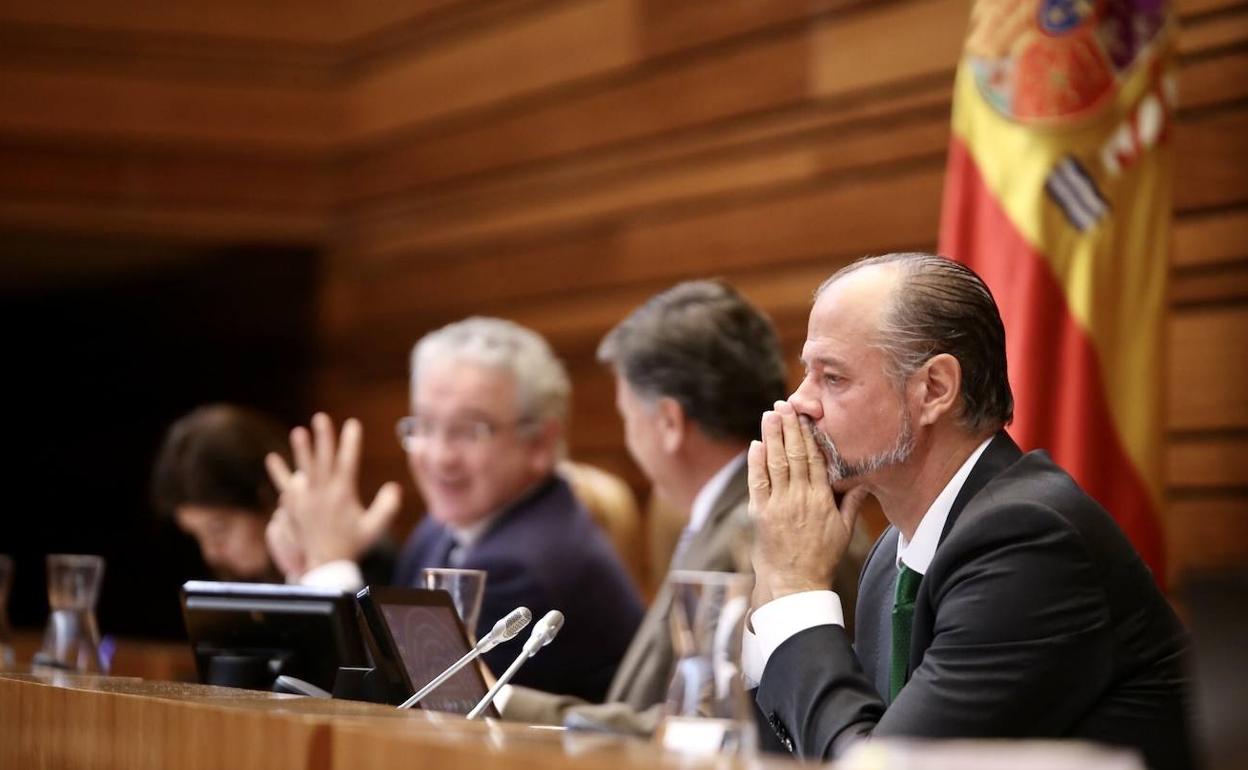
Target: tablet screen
x: 429, y: 640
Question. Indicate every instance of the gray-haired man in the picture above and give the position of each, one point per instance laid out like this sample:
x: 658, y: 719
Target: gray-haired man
x: 489, y: 401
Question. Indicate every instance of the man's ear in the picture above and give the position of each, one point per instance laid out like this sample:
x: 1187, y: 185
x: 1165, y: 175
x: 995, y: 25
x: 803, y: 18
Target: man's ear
x: 545, y: 442
x: 673, y: 425
x: 939, y: 384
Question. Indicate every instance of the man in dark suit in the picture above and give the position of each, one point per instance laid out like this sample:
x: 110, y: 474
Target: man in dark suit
x: 694, y: 368
x: 1002, y: 601
x: 544, y: 552
x: 489, y: 401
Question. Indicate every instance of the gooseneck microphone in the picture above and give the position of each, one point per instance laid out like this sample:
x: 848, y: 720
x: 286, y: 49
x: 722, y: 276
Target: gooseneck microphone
x: 504, y: 630
x: 543, y: 634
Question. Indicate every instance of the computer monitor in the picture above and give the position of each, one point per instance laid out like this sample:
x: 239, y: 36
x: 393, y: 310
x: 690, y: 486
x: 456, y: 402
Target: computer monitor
x: 247, y: 634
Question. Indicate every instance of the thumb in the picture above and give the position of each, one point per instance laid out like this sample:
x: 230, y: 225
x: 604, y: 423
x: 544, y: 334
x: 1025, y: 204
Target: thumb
x: 851, y: 505
x: 385, y: 506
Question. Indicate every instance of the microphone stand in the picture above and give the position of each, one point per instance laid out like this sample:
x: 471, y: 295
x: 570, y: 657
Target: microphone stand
x: 440, y: 678
x: 543, y: 634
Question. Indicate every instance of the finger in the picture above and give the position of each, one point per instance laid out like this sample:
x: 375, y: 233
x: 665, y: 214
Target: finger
x: 851, y: 505
x: 323, y: 444
x: 348, y: 460
x: 301, y: 448
x: 760, y: 487
x: 294, y: 496
x: 814, y: 455
x: 377, y: 518
x: 279, y: 471
x: 773, y: 442
x: 794, y: 444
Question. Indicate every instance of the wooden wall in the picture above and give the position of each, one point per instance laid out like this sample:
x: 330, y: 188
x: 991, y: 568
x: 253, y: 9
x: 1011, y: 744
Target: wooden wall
x: 557, y: 162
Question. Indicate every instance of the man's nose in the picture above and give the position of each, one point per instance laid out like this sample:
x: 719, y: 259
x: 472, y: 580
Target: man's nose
x: 442, y: 449
x: 805, y: 401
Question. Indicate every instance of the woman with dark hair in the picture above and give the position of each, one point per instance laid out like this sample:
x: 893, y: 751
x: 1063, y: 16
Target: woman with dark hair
x: 209, y: 477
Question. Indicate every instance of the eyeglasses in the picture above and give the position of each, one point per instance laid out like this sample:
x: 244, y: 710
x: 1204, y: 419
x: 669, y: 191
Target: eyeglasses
x: 418, y: 430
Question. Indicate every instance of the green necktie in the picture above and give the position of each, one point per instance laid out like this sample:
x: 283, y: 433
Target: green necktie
x: 903, y: 619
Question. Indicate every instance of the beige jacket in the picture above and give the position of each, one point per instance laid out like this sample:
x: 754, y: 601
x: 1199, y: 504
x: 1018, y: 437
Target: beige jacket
x: 635, y: 699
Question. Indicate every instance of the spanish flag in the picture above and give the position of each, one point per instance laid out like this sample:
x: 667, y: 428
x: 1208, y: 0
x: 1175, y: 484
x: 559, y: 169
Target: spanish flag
x: 1058, y: 194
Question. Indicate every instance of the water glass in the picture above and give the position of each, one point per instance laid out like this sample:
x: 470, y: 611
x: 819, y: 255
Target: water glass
x: 466, y: 587
x: 706, y: 711
x: 8, y: 660
x: 72, y: 639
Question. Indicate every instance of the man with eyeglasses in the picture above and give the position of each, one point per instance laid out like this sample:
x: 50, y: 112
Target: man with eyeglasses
x: 489, y: 401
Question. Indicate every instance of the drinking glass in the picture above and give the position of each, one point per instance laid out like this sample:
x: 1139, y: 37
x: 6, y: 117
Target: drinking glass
x: 466, y: 587
x: 706, y: 711
x: 8, y: 660
x: 72, y: 639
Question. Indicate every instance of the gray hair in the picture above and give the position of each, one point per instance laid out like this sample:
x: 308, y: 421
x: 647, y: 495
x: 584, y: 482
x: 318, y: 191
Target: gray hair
x: 542, y: 386
x: 942, y: 306
x: 702, y: 344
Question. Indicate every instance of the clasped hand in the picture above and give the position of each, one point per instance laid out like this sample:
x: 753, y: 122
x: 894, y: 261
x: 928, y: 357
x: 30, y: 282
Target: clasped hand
x: 801, y: 533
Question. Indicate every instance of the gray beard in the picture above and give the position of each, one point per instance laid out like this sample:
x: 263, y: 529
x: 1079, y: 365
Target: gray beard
x: 840, y: 469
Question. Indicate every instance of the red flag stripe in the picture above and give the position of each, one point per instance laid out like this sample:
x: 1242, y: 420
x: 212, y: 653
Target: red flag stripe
x: 1060, y: 398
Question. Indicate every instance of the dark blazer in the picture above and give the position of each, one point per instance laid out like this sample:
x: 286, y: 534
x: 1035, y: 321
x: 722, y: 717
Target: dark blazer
x: 1036, y: 618
x: 544, y: 553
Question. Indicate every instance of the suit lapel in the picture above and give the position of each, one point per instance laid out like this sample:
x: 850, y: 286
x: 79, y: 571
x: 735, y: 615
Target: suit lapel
x: 1000, y: 454
x: 873, y: 625
x: 643, y: 655
x: 696, y: 555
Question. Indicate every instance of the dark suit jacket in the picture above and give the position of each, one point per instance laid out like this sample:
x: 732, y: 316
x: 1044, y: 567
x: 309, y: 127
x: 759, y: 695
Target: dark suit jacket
x: 1036, y: 618
x: 544, y: 553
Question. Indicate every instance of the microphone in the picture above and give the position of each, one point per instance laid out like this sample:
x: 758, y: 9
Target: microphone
x: 543, y: 634
x: 504, y: 630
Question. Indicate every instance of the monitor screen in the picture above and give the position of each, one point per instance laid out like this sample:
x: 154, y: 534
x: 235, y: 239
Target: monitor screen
x: 423, y: 631
x: 246, y: 634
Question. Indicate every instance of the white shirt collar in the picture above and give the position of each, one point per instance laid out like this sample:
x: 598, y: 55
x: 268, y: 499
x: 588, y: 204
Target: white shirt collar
x: 917, y: 553
x: 705, y: 500
x: 464, y: 537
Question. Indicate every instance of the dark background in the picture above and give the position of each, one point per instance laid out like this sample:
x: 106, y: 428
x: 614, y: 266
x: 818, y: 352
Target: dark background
x: 97, y: 371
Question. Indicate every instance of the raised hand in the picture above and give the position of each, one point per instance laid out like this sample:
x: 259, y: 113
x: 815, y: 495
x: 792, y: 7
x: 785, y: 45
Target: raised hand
x: 801, y: 534
x: 321, y: 516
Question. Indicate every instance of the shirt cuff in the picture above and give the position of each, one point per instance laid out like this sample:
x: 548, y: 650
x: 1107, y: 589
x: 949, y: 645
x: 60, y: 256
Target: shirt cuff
x: 501, y: 697
x: 772, y: 624
x: 342, y: 574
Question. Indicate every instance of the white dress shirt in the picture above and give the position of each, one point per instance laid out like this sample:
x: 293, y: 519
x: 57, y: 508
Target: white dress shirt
x: 779, y: 619
x: 345, y: 574
x: 704, y: 503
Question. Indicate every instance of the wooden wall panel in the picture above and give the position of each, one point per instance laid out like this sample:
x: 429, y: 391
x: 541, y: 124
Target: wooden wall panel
x: 767, y: 76
x: 887, y: 43
x: 559, y: 161
x: 768, y: 145
x: 82, y: 106
x: 534, y: 52
x: 1209, y: 369
x: 1208, y: 533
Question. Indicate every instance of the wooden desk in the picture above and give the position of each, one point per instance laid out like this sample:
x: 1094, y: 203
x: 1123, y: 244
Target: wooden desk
x: 146, y: 658
x: 107, y: 723
x: 112, y: 722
